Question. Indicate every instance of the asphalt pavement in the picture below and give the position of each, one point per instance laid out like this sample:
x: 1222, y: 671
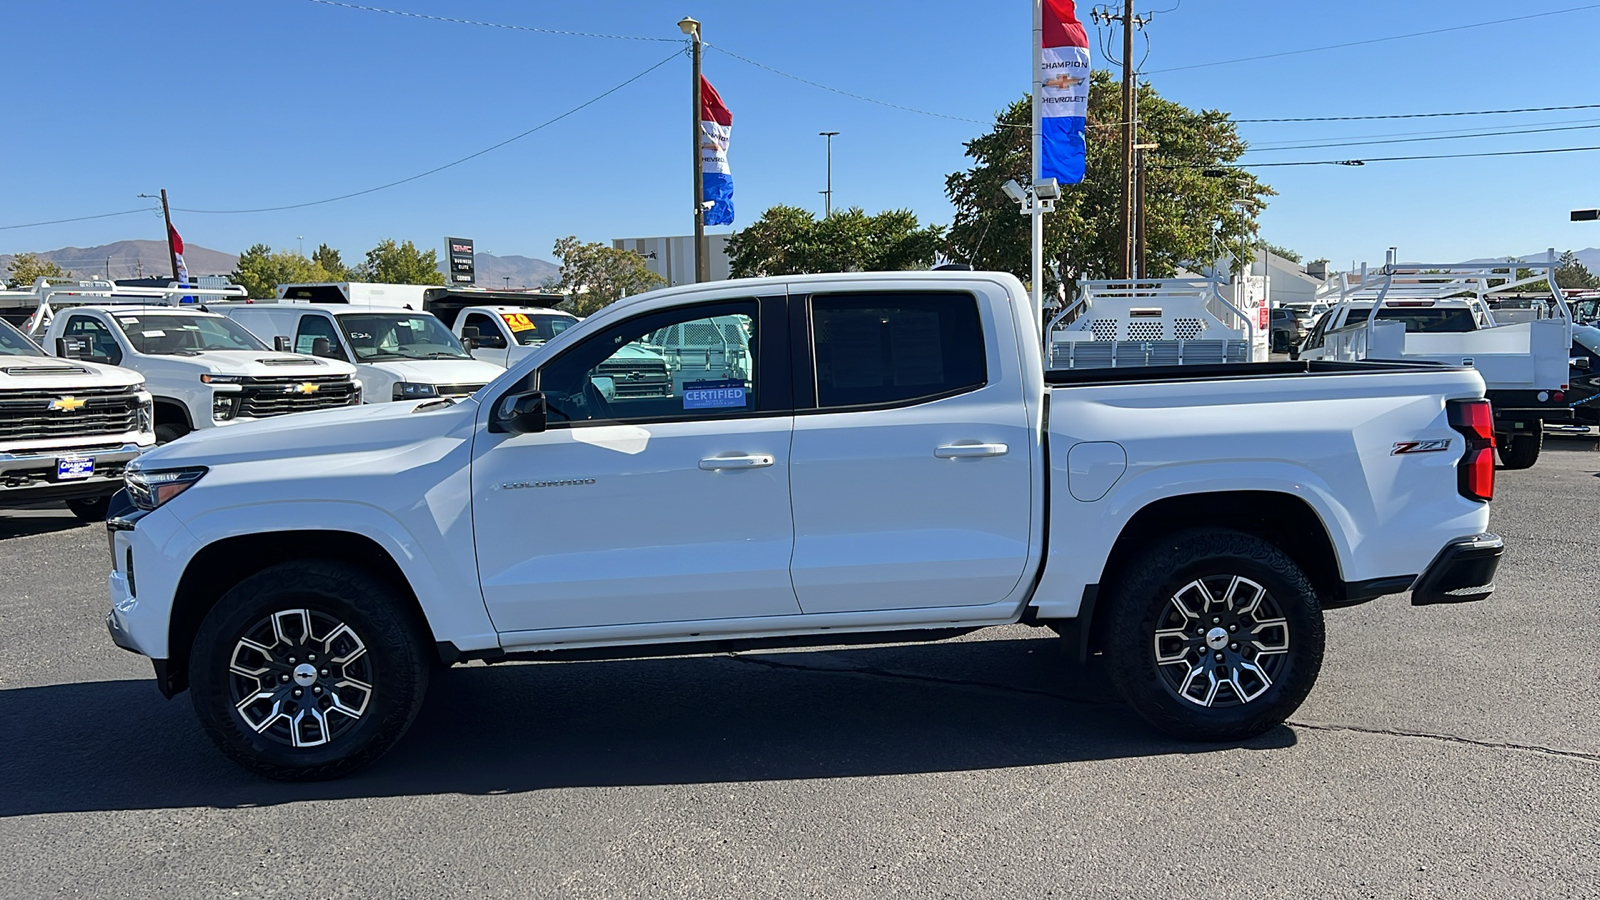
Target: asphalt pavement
x: 1446, y: 751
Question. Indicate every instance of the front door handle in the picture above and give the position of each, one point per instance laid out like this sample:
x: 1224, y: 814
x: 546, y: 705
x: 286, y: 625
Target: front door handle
x: 753, y: 461
x: 970, y: 451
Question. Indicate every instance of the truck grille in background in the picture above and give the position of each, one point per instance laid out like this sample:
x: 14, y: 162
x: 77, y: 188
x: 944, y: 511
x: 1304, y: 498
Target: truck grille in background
x: 637, y: 377
x: 27, y: 416
x: 263, y: 398
x: 457, y: 390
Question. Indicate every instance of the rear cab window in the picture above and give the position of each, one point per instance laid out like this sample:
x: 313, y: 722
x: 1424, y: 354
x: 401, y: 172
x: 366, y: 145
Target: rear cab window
x: 883, y: 349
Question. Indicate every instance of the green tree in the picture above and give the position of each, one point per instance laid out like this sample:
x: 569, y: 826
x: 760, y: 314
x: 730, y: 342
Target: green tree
x: 26, y: 268
x: 595, y: 275
x: 392, y: 263
x: 787, y: 240
x: 261, y: 270
x: 1572, y: 273
x: 1190, y: 218
x: 1284, y: 252
x: 328, y: 259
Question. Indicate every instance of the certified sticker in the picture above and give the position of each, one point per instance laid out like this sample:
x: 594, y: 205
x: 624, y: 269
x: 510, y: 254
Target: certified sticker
x: 726, y: 394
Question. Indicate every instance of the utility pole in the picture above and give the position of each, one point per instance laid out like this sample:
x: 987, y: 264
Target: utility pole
x: 701, y: 265
x: 1127, y: 138
x: 827, y: 195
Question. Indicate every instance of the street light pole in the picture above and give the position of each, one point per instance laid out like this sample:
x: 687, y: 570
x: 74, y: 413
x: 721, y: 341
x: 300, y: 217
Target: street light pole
x: 827, y: 195
x: 691, y: 28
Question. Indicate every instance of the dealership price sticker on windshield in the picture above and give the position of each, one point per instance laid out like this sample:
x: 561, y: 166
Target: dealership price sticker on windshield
x: 713, y: 394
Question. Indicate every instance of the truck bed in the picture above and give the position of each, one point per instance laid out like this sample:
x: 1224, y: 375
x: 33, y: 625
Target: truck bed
x: 1234, y: 371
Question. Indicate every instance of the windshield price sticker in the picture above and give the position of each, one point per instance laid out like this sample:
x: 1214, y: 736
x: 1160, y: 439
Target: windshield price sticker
x: 713, y: 394
x: 518, y: 321
x: 69, y: 468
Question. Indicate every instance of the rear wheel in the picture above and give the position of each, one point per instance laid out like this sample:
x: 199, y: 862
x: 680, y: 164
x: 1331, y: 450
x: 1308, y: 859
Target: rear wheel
x: 1521, y: 449
x: 1214, y: 635
x: 91, y: 509
x: 307, y: 670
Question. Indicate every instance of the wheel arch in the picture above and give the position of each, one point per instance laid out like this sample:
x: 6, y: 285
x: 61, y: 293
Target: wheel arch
x: 172, y: 411
x: 1280, y: 518
x: 221, y: 565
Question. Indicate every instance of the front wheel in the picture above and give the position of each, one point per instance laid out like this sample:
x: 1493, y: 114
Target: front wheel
x: 1214, y: 635
x: 91, y: 509
x: 1521, y: 450
x: 307, y: 670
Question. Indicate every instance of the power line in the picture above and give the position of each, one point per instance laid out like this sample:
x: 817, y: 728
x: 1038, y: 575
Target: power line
x: 126, y: 212
x: 1413, y: 140
x: 456, y: 21
x: 1266, y: 145
x: 1380, y: 40
x: 1429, y: 115
x: 1372, y: 159
x: 470, y: 156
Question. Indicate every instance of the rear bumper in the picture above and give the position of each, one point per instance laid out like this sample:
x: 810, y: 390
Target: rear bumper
x: 1462, y: 572
x: 1524, y: 409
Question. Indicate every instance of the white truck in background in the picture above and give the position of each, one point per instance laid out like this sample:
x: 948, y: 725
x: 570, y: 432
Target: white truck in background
x: 68, y: 428
x: 202, y: 370
x: 896, y: 465
x: 504, y: 334
x: 1160, y: 322
x: 1426, y: 312
x: 400, y: 354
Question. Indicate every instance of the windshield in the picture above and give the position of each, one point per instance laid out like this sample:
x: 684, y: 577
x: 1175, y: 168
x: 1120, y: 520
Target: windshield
x: 165, y: 334
x: 376, y: 337
x: 1428, y: 320
x: 536, y: 329
x: 12, y: 343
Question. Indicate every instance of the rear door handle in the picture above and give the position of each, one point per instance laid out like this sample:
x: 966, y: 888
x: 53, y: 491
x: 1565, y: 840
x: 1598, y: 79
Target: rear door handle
x: 970, y: 451
x: 753, y: 461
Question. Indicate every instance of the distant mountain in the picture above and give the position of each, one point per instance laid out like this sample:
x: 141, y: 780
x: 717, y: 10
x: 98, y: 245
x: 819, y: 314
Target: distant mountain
x: 129, y: 259
x: 1590, y: 258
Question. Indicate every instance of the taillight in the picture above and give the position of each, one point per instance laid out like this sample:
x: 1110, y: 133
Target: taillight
x: 1475, y: 473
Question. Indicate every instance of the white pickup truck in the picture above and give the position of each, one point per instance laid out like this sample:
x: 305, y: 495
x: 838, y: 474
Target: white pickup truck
x: 504, y: 334
x: 67, y: 428
x: 400, y: 354
x: 896, y: 466
x: 203, y: 370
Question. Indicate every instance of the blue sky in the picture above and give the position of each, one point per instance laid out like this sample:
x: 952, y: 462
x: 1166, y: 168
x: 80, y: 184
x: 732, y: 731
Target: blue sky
x: 253, y: 103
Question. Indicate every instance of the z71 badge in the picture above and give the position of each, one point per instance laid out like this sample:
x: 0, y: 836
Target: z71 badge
x: 1433, y: 446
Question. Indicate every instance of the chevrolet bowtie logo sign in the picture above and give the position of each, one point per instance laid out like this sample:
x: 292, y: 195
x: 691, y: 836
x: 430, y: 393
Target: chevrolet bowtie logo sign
x: 67, y: 404
x: 304, y: 387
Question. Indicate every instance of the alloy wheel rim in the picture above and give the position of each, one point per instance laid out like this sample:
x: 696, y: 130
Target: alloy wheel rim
x: 1221, y: 641
x: 300, y: 677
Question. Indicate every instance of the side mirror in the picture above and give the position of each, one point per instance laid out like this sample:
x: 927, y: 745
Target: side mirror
x: 72, y: 347
x: 281, y: 343
x: 469, y: 337
x: 520, y: 414
x: 322, y: 347
x: 1579, y: 362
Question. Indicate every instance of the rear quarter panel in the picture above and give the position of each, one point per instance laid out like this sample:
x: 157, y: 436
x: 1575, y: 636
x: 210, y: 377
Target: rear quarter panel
x: 1328, y: 440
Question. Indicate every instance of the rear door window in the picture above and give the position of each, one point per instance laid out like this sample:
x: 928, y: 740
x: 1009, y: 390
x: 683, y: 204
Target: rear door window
x: 876, y: 349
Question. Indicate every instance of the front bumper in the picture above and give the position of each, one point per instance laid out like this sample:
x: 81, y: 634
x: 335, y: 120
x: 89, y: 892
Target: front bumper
x: 1462, y: 572
x: 30, y: 476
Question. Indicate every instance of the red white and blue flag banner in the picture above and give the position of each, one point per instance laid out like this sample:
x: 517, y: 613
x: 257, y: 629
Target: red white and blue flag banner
x: 716, y: 182
x: 177, y: 254
x: 1063, y: 94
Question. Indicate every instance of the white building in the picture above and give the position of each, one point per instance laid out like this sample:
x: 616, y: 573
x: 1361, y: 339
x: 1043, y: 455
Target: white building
x: 673, y: 257
x: 1287, y: 281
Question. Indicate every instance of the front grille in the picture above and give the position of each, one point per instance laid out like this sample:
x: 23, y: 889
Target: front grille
x: 457, y: 390
x: 632, y: 378
x: 262, y: 398
x: 27, y: 415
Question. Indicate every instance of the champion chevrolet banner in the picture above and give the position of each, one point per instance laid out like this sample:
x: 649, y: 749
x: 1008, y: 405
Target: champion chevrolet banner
x: 1064, y: 95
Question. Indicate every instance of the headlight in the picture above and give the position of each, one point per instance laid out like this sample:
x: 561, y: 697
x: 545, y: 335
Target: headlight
x: 222, y: 407
x: 411, y: 390
x: 222, y: 379
x: 149, y: 490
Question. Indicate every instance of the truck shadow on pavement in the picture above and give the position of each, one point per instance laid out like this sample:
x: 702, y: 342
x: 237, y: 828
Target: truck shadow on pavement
x: 964, y: 705
x: 28, y: 526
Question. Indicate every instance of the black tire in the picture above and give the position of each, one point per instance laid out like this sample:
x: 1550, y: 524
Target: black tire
x: 385, y: 684
x: 1146, y: 599
x: 166, y: 434
x: 90, y: 509
x: 1521, y: 450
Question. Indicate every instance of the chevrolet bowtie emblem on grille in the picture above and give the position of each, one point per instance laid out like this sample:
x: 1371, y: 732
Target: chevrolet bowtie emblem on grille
x: 304, y: 387
x: 67, y: 404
